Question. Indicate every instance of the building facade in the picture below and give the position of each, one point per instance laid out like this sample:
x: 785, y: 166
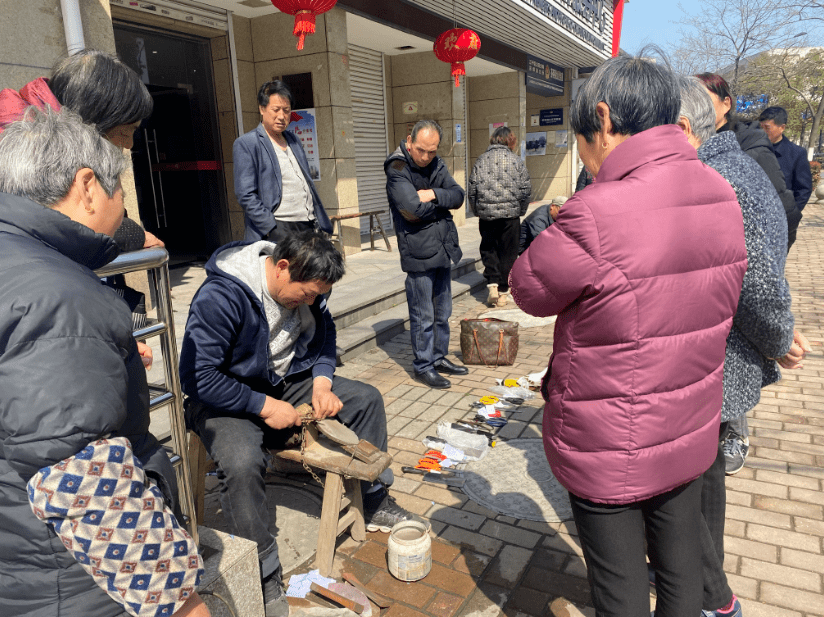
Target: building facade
x: 361, y: 81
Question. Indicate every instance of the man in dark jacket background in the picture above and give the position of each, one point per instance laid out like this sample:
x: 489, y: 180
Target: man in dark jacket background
x: 791, y: 158
x: 421, y: 196
x: 754, y: 143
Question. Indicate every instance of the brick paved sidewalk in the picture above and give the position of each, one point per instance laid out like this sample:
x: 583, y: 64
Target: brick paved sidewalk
x: 485, y: 564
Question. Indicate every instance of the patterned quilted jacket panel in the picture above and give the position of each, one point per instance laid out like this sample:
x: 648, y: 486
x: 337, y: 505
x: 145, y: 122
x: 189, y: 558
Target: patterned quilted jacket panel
x: 499, y: 186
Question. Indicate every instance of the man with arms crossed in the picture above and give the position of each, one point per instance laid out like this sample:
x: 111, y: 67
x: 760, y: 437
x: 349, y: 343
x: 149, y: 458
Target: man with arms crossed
x: 422, y: 195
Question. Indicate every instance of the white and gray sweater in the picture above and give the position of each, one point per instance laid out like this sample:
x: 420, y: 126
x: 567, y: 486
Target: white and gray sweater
x: 763, y: 324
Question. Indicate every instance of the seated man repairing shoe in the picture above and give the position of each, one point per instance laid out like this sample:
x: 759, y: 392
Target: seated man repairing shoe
x: 259, y: 342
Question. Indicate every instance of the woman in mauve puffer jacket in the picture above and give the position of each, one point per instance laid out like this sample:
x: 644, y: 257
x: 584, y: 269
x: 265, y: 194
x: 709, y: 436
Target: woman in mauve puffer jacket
x: 644, y: 270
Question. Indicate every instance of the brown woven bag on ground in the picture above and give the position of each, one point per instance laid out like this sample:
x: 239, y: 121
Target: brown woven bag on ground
x: 492, y: 342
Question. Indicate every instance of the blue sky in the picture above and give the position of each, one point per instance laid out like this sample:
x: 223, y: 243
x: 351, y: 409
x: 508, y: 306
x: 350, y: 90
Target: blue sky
x: 649, y: 21
x: 656, y: 21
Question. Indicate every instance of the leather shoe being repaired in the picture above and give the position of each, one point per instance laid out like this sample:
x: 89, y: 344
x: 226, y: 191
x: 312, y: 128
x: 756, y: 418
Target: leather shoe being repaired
x: 433, y: 380
x: 445, y: 366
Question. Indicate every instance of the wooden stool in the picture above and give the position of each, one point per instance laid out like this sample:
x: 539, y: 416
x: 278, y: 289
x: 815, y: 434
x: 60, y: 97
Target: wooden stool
x: 342, y: 500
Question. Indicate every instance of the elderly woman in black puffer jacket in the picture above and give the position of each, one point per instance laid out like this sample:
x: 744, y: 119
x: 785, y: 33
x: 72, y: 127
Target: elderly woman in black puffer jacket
x: 499, y: 191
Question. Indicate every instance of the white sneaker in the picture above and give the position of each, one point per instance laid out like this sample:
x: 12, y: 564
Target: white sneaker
x: 492, y: 298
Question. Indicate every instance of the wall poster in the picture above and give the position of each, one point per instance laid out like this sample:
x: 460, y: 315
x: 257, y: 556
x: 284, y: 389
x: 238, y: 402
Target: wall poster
x: 303, y: 125
x: 536, y: 144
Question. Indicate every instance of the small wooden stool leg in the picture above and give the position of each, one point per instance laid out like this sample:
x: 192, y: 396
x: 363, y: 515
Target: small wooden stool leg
x: 197, y: 464
x: 339, y: 239
x: 353, y: 490
x: 328, y: 531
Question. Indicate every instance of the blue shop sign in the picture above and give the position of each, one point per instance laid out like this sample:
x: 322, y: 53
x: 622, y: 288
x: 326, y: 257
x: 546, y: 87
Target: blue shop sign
x: 552, y: 117
x: 544, y: 78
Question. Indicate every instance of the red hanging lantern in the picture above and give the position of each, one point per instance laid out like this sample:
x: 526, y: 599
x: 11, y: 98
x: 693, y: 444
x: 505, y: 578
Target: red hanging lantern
x: 305, y: 12
x: 457, y: 46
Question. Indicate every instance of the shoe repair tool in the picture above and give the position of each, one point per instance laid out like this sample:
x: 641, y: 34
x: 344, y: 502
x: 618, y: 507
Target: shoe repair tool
x: 427, y: 464
x: 337, y: 598
x: 335, y: 432
x: 493, y: 422
x: 438, y: 456
x: 450, y: 478
x: 488, y: 400
x: 511, y: 383
x: 377, y: 598
x: 477, y: 430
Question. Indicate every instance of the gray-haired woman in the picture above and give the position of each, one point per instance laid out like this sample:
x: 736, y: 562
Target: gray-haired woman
x: 643, y: 268
x: 499, y: 191
x: 71, y: 374
x: 763, y: 324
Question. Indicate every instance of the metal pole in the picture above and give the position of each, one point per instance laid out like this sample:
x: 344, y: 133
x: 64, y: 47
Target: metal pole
x: 235, y: 80
x: 73, y: 25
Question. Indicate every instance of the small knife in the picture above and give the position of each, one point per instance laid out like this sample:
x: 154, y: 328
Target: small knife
x: 450, y: 478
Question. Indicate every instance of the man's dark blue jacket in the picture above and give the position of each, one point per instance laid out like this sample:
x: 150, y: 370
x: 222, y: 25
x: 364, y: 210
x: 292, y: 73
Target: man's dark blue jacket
x: 258, y: 181
x: 427, y: 236
x: 224, y: 359
x: 796, y: 169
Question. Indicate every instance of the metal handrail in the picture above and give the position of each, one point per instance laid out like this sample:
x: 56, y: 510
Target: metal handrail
x: 156, y: 262
x: 143, y: 259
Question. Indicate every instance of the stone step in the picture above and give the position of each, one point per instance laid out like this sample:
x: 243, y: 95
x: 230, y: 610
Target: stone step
x: 386, y: 292
x: 376, y: 329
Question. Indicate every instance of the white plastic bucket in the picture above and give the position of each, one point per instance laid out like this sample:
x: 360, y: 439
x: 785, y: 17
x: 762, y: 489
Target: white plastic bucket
x: 410, y: 551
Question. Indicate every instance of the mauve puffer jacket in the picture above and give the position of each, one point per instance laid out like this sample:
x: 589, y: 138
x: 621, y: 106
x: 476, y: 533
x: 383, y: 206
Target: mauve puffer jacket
x: 644, y: 270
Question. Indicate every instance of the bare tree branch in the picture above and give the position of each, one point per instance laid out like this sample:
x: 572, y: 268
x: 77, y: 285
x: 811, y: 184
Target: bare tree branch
x: 794, y: 79
x: 720, y: 34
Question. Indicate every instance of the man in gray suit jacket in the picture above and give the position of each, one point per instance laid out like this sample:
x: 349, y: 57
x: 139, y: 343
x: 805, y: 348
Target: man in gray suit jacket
x: 272, y: 180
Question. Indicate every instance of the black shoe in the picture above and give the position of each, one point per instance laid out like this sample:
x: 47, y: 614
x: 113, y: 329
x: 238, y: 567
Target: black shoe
x: 433, y: 380
x: 445, y: 366
x: 274, y: 600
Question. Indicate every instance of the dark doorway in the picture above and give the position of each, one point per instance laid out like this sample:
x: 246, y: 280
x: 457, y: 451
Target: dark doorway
x: 177, y: 163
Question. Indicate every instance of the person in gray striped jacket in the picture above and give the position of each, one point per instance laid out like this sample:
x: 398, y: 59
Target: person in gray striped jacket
x: 499, y: 191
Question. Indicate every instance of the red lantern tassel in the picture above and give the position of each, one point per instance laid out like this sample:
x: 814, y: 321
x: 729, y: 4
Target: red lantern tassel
x: 304, y: 24
x: 458, y: 69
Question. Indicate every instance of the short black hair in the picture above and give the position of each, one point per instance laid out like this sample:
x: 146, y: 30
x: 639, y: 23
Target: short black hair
x: 101, y: 89
x: 274, y: 87
x: 641, y: 93
x: 777, y: 114
x: 429, y: 125
x: 311, y: 257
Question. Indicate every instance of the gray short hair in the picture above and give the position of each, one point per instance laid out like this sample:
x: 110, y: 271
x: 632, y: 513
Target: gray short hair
x: 429, y: 125
x: 640, y: 93
x: 41, y: 154
x: 697, y: 107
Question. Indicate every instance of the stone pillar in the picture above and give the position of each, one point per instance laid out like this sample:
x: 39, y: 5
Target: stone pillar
x: 494, y: 99
x: 427, y: 83
x: 227, y: 111
x: 551, y: 173
x: 325, y: 57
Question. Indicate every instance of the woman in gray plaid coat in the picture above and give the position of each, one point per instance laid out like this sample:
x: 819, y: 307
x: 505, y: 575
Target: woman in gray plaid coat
x: 499, y: 191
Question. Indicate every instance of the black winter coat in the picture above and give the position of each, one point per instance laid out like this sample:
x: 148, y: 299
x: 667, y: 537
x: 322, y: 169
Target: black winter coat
x: 755, y: 143
x: 427, y: 236
x: 70, y: 374
x: 535, y: 223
